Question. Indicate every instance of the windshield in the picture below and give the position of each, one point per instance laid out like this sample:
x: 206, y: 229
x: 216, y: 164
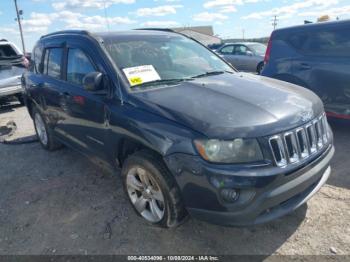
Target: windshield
x: 259, y: 49
x: 163, y: 59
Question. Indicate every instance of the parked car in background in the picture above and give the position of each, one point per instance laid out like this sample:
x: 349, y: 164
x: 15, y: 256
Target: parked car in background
x: 317, y: 57
x: 215, y: 47
x: 247, y: 57
x: 190, y: 134
x: 12, y: 65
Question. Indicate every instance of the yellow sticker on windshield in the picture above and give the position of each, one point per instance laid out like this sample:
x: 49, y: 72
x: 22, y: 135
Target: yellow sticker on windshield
x: 141, y: 74
x: 135, y: 80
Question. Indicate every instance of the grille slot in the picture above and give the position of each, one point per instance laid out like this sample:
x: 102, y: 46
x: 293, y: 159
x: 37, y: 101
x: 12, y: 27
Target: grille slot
x: 311, y: 135
x: 291, y: 147
x: 303, y: 143
x: 298, y: 144
x: 278, y: 150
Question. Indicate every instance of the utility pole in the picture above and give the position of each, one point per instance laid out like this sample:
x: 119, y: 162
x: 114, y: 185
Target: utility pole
x: 19, y: 13
x: 274, y: 22
x: 106, y: 17
x: 243, y: 34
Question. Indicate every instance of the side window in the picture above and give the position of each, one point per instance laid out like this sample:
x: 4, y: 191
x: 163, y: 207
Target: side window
x: 78, y: 65
x: 227, y: 50
x: 240, y: 50
x: 327, y: 42
x: 37, y: 59
x: 52, y: 62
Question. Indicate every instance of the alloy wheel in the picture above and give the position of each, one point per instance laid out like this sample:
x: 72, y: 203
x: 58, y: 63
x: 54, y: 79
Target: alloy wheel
x: 145, y: 194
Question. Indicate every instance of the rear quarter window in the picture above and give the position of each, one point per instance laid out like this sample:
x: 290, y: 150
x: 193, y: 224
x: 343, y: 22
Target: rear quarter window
x: 37, y: 55
x: 327, y: 42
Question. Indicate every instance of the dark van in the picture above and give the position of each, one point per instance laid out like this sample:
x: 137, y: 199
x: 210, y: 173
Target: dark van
x: 315, y: 56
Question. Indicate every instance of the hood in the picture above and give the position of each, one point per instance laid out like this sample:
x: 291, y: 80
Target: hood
x: 233, y: 105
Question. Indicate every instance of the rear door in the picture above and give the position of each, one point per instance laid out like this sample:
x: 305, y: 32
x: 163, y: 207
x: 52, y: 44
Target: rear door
x: 47, y: 83
x: 324, y: 65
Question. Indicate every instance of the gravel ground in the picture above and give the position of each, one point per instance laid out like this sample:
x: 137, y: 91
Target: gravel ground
x: 61, y: 203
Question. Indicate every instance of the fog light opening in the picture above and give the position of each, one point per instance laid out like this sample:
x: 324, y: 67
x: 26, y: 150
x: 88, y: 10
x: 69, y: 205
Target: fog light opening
x: 229, y: 194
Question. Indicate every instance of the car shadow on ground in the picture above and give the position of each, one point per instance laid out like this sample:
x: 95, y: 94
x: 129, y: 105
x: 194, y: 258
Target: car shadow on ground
x: 8, y: 105
x: 340, y: 176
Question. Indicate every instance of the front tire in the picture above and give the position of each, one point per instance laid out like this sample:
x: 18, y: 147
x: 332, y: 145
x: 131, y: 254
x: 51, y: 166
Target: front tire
x: 152, y: 190
x: 44, y: 133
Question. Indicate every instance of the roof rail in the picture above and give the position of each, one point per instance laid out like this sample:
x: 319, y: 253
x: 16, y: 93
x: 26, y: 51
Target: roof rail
x: 3, y: 40
x: 157, y: 29
x: 74, y: 32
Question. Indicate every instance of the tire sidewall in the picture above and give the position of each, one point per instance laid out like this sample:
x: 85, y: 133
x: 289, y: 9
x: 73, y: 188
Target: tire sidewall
x: 35, y: 112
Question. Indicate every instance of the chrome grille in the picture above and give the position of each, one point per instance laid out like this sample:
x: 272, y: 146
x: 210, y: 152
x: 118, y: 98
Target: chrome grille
x: 300, y: 143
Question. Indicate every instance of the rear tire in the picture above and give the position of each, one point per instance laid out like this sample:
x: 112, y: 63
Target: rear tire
x: 260, y: 68
x: 152, y: 190
x: 44, y: 132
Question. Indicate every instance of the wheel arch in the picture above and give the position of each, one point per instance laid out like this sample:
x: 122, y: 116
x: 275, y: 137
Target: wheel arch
x: 128, y: 146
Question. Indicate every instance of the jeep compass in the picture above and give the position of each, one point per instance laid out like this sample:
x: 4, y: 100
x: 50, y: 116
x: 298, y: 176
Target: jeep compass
x: 191, y: 135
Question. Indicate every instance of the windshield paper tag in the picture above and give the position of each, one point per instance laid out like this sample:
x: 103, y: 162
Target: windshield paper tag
x: 141, y: 74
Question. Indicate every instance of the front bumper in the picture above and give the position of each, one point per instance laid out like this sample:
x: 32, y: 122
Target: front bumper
x: 11, y: 90
x: 265, y: 194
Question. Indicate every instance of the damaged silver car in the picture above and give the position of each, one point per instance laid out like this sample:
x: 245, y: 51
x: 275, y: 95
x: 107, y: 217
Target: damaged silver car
x: 12, y: 65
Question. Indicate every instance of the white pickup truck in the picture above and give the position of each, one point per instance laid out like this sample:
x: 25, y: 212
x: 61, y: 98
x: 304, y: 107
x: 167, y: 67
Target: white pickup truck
x: 12, y: 65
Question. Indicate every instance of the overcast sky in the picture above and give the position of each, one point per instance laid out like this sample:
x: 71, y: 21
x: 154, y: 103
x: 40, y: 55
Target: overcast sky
x: 229, y: 17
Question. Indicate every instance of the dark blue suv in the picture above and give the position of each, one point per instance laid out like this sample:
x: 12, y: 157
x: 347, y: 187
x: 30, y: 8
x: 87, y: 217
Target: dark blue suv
x: 317, y: 57
x: 190, y: 134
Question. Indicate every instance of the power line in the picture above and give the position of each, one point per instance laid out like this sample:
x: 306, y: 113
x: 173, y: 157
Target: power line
x: 19, y: 13
x: 274, y: 22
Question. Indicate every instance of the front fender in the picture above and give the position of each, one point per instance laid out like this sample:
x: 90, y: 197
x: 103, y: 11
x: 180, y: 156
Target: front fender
x: 128, y: 123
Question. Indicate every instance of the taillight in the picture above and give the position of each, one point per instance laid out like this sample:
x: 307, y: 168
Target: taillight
x: 268, y: 51
x: 25, y: 62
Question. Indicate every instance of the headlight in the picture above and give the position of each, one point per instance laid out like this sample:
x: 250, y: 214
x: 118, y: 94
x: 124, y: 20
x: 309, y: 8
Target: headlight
x: 235, y: 151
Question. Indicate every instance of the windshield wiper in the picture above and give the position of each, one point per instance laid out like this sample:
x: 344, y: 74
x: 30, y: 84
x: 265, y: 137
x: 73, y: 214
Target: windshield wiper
x: 212, y: 73
x: 161, y: 82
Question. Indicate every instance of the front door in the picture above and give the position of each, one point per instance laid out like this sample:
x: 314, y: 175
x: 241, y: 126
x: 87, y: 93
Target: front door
x: 85, y: 124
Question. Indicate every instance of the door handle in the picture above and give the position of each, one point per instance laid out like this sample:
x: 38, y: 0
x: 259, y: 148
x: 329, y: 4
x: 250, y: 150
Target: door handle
x: 304, y: 66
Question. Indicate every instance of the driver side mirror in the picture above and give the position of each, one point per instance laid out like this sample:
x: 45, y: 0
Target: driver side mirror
x: 93, y: 81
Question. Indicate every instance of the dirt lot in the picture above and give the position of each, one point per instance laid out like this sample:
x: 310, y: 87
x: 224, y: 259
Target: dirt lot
x: 61, y: 203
